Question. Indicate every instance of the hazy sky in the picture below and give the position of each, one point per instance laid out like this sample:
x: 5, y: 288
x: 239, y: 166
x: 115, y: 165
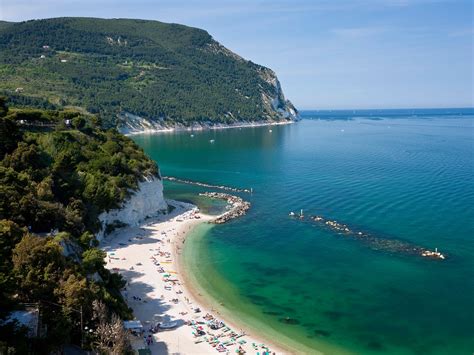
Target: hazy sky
x: 327, y: 54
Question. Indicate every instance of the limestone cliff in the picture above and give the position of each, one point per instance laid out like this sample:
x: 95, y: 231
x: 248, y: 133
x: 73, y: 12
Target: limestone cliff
x: 146, y: 201
x: 274, y: 101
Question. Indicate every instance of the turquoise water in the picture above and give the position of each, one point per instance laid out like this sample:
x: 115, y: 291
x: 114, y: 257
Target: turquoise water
x: 404, y: 176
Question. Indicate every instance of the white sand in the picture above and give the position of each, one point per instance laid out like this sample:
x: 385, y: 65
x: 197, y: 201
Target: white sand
x: 137, y: 253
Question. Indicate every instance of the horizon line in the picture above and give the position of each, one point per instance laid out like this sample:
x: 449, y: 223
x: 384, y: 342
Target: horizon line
x: 387, y: 109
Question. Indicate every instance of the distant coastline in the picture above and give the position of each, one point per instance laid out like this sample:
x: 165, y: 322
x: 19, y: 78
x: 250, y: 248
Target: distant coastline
x: 202, y: 127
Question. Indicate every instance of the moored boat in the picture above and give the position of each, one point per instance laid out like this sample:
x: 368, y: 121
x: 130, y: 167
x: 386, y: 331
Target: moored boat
x: 167, y: 325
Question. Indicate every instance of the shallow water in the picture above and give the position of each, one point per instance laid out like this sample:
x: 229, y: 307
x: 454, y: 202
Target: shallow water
x: 397, y: 177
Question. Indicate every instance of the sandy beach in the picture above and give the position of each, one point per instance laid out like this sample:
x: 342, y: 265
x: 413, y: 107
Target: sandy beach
x: 148, y: 257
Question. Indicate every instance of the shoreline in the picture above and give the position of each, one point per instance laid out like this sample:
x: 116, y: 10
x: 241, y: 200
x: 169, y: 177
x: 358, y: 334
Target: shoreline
x: 206, y: 303
x: 231, y: 319
x: 134, y: 252
x: 205, y: 127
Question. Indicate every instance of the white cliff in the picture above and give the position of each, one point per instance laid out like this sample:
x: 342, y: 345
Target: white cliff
x: 274, y: 100
x: 146, y: 201
x: 130, y: 124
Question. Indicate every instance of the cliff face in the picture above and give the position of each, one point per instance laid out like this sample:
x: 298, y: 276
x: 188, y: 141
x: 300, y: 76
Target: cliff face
x: 275, y: 106
x: 274, y: 101
x: 146, y: 202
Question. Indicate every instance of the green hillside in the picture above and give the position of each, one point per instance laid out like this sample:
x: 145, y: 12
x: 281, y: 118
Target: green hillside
x: 58, y: 171
x: 5, y: 24
x: 166, y: 73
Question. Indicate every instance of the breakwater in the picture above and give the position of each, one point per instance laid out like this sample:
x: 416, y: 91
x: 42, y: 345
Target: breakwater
x: 375, y: 242
x: 203, y: 184
x: 237, y: 206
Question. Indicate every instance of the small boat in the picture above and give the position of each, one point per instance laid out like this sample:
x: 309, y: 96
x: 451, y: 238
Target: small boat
x: 192, y: 135
x: 301, y: 214
x: 168, y: 325
x: 291, y: 214
x: 211, y: 140
x: 270, y: 131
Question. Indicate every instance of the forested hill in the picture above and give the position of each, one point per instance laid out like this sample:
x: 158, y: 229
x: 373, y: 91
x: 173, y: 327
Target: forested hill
x: 166, y: 73
x: 58, y: 171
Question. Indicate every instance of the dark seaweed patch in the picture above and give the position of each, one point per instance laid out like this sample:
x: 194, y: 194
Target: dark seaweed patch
x: 287, y: 310
x: 266, y: 270
x: 322, y: 332
x: 333, y: 315
x: 375, y: 345
x: 258, y: 284
x: 289, y: 320
x: 256, y: 297
x: 273, y: 313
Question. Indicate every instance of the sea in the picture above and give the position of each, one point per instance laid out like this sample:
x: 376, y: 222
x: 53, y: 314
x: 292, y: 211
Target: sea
x: 400, y: 181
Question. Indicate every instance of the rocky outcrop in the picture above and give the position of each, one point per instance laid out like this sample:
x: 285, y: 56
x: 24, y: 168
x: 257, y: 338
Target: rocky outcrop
x: 274, y: 100
x: 147, y: 201
x: 236, y: 206
x: 130, y: 124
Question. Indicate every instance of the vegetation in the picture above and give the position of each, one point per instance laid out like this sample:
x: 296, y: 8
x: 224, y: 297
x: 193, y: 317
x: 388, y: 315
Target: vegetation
x: 163, y: 72
x: 58, y: 171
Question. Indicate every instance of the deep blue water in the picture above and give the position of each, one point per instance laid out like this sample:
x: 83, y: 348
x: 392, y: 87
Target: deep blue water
x: 404, y: 176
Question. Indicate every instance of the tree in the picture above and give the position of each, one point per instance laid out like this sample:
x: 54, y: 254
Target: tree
x: 78, y: 122
x: 74, y: 292
x: 10, y: 135
x: 110, y: 335
x: 87, y: 240
x: 39, y: 265
x: 10, y: 234
x: 26, y: 156
x: 3, y: 106
x: 74, y: 217
x: 93, y: 260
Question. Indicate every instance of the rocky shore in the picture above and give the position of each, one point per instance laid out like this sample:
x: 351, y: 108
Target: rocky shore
x: 375, y: 242
x: 238, y: 207
x: 203, y: 184
x: 140, y: 125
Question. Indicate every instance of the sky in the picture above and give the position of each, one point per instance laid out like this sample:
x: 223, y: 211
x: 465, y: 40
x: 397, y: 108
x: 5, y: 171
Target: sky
x: 339, y: 54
